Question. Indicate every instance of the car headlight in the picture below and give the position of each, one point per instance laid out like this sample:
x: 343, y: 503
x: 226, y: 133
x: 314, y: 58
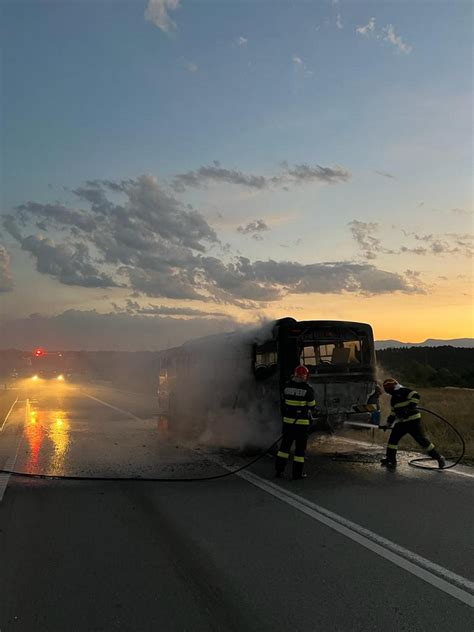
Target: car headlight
x: 60, y: 378
x: 35, y: 377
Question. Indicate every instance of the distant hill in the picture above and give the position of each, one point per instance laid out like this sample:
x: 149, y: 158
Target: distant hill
x: 466, y: 343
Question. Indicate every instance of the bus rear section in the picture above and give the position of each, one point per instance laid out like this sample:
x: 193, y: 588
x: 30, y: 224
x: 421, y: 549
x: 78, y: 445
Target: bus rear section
x: 340, y: 357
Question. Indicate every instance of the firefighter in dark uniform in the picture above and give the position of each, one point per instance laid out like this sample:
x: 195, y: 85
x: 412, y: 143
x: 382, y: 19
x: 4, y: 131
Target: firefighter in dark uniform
x: 297, y: 402
x: 405, y: 418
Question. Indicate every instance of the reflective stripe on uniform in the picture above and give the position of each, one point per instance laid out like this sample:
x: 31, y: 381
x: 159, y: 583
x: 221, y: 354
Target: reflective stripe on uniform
x: 283, y: 455
x: 297, y: 422
x: 430, y: 447
x: 402, y: 404
x: 295, y: 402
x: 413, y: 395
x: 311, y: 403
x: 393, y: 446
x: 413, y: 417
x: 298, y: 459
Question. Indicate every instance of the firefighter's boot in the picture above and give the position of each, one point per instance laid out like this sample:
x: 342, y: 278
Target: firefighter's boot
x: 434, y: 454
x: 298, y: 477
x: 441, y: 462
x: 389, y: 464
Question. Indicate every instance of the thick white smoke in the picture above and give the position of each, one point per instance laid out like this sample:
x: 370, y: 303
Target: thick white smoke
x: 218, y: 401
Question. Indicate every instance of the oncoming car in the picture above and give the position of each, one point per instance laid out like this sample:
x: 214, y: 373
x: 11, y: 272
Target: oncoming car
x: 48, y: 375
x: 47, y: 365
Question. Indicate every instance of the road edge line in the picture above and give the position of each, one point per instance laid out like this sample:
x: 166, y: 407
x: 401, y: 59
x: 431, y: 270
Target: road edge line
x: 8, y: 414
x: 459, y: 587
x: 10, y: 462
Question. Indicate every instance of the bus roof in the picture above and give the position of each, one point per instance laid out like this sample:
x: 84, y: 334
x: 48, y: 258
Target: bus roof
x: 331, y: 323
x: 263, y: 332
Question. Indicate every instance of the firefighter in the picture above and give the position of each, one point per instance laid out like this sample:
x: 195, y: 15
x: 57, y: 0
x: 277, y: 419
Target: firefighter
x: 297, y: 403
x: 405, y: 418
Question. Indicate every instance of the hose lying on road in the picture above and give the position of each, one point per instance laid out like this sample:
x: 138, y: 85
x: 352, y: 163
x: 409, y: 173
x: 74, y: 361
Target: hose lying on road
x: 419, y: 460
x: 143, y: 479
x: 413, y: 462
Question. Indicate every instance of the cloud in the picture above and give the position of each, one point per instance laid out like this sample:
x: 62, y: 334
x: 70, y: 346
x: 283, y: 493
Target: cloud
x: 368, y: 29
x: 448, y: 244
x: 201, y: 176
x: 300, y: 66
x: 333, y: 278
x: 339, y: 22
x: 132, y: 234
x: 6, y: 280
x: 70, y: 263
x: 242, y: 41
x: 413, y: 274
x: 254, y: 228
x: 299, y: 174
x: 170, y: 282
x: 190, y: 66
x: 385, y: 174
x: 149, y: 238
x: 385, y: 34
x: 363, y: 234
x: 133, y: 307
x: 305, y: 173
x: 157, y: 12
x: 392, y: 38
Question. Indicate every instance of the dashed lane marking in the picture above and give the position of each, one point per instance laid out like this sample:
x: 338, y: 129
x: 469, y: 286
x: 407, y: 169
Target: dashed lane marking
x: 120, y: 410
x: 8, y: 414
x: 441, y: 578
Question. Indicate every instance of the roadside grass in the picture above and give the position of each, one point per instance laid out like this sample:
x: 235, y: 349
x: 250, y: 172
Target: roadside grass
x: 455, y: 404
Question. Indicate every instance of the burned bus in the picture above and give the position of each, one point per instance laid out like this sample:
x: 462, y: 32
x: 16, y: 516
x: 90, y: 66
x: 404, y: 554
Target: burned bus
x: 246, y: 370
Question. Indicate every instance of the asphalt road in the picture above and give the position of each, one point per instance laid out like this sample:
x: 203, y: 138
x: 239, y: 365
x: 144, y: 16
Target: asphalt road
x: 352, y: 548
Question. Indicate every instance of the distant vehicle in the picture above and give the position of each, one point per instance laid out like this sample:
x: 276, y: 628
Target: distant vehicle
x: 47, y: 365
x: 247, y: 370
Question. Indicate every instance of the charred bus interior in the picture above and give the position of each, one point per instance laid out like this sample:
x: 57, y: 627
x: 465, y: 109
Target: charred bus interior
x: 340, y: 356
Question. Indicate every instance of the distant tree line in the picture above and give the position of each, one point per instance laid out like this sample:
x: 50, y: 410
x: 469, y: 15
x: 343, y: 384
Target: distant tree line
x: 430, y: 366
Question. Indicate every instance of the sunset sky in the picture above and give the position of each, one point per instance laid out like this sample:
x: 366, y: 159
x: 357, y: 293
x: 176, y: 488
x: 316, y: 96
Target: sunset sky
x: 176, y: 167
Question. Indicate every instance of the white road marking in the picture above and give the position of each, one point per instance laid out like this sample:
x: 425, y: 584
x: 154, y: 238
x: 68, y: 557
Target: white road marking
x: 8, y: 414
x: 459, y: 473
x: 455, y: 585
x: 375, y: 445
x: 120, y: 410
x: 10, y: 463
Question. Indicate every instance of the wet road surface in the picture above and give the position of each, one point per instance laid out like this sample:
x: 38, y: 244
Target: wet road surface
x: 349, y: 548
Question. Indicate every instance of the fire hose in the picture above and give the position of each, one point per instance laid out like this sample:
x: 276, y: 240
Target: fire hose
x: 419, y: 460
x: 413, y: 462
